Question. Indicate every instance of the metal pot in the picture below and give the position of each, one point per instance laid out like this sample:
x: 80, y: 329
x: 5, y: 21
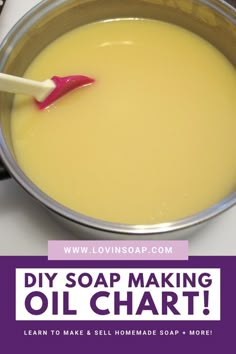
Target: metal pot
x: 214, y: 20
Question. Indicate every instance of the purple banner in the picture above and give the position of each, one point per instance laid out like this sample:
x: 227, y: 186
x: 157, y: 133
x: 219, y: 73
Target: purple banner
x: 118, y: 250
x: 114, y: 336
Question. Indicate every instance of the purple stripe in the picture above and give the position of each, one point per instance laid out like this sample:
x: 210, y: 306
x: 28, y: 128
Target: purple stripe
x: 118, y: 250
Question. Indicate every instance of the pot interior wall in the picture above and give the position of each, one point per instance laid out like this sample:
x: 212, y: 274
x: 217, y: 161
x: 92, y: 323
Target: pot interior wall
x: 52, y: 19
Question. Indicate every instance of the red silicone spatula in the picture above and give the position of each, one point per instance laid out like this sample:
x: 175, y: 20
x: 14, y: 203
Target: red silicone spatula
x: 45, y: 92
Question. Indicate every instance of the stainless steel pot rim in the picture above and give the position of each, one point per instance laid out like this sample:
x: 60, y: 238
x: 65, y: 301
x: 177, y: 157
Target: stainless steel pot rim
x: 221, y: 6
x: 78, y: 218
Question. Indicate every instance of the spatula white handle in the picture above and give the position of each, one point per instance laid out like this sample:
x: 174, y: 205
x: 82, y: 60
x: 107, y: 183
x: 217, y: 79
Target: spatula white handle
x: 37, y: 89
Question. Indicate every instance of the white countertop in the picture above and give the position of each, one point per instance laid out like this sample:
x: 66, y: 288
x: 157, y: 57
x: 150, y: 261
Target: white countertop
x: 25, y: 227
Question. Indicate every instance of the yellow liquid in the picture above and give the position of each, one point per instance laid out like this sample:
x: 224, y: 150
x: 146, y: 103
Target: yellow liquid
x: 153, y: 140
